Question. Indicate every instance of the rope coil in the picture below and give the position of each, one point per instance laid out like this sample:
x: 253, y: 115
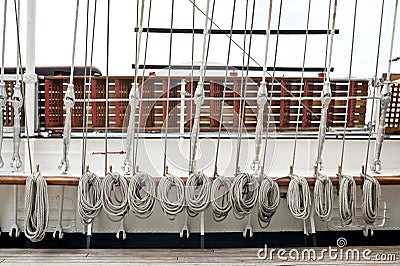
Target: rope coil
x: 171, y: 208
x: 268, y: 200
x: 323, y: 197
x: 36, y: 207
x: 199, y: 201
x: 371, y: 197
x: 89, y: 197
x: 244, y: 194
x: 347, y: 199
x: 142, y: 205
x: 220, y: 211
x: 115, y: 194
x: 298, y: 197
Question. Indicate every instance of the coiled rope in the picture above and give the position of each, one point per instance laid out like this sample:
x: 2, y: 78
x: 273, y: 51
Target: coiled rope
x: 220, y: 211
x: 36, y: 207
x: 371, y: 197
x: 244, y: 194
x: 115, y: 194
x: 142, y: 205
x: 89, y: 197
x: 268, y: 200
x: 323, y: 197
x: 197, y: 201
x: 347, y: 199
x: 171, y: 209
x: 298, y: 197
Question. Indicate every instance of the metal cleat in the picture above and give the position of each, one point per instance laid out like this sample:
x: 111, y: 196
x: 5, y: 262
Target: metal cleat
x: 121, y: 230
x: 185, y: 228
x: 248, y: 230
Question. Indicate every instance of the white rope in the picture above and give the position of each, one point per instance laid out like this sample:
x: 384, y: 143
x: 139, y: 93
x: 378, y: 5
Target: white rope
x: 115, y: 194
x: 142, y: 205
x: 323, y: 198
x: 347, y: 199
x: 298, y: 197
x: 371, y: 197
x: 268, y: 200
x: 244, y: 194
x: 3, y: 93
x: 197, y: 201
x: 171, y: 208
x: 36, y: 207
x: 89, y: 197
x: 220, y: 211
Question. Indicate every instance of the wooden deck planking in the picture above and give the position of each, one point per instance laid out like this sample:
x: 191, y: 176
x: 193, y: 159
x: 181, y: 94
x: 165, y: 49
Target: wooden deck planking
x: 170, y: 256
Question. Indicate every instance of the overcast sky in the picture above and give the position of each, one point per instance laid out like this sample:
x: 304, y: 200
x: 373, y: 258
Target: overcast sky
x: 55, y: 21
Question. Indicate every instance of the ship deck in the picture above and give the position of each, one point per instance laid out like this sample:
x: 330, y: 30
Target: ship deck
x: 181, y: 256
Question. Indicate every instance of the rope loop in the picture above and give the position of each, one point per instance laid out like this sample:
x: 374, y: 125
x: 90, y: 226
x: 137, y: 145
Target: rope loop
x: 323, y: 197
x: 197, y: 194
x: 220, y: 211
x: 371, y: 197
x: 36, y: 207
x: 115, y: 194
x: 347, y: 199
x: 244, y: 194
x: 268, y: 200
x: 298, y: 197
x: 89, y: 197
x: 141, y: 194
x: 171, y: 208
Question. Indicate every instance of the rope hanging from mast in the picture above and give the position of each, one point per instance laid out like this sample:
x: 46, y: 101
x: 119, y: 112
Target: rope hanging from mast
x: 347, y: 185
x: 220, y: 211
x: 298, y: 195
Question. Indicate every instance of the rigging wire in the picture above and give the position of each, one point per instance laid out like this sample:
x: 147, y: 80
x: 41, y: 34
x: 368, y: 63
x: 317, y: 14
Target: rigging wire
x: 220, y: 211
x: 347, y: 185
x: 107, y: 88
x: 191, y: 81
x: 3, y: 92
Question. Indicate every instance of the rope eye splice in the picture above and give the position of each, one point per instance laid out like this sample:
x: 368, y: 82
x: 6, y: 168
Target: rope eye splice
x: 3, y: 101
x: 17, y: 101
x: 36, y: 207
x: 142, y: 205
x: 69, y: 102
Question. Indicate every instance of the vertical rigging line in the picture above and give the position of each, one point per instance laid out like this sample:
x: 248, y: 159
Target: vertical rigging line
x: 301, y: 84
x: 269, y: 112
x: 19, y: 70
x: 71, y: 76
x: 84, y: 113
x: 4, y: 40
x: 143, y: 80
x: 107, y: 89
x: 349, y: 86
x: 375, y: 84
x: 168, y: 87
x: 90, y: 79
x: 327, y: 34
x: 191, y: 80
x: 224, y: 91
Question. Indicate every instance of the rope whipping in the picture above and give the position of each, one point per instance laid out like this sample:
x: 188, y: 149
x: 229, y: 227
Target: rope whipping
x: 298, y: 195
x: 220, y: 211
x: 323, y: 189
x: 347, y: 185
x: 268, y: 195
x: 198, y: 186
